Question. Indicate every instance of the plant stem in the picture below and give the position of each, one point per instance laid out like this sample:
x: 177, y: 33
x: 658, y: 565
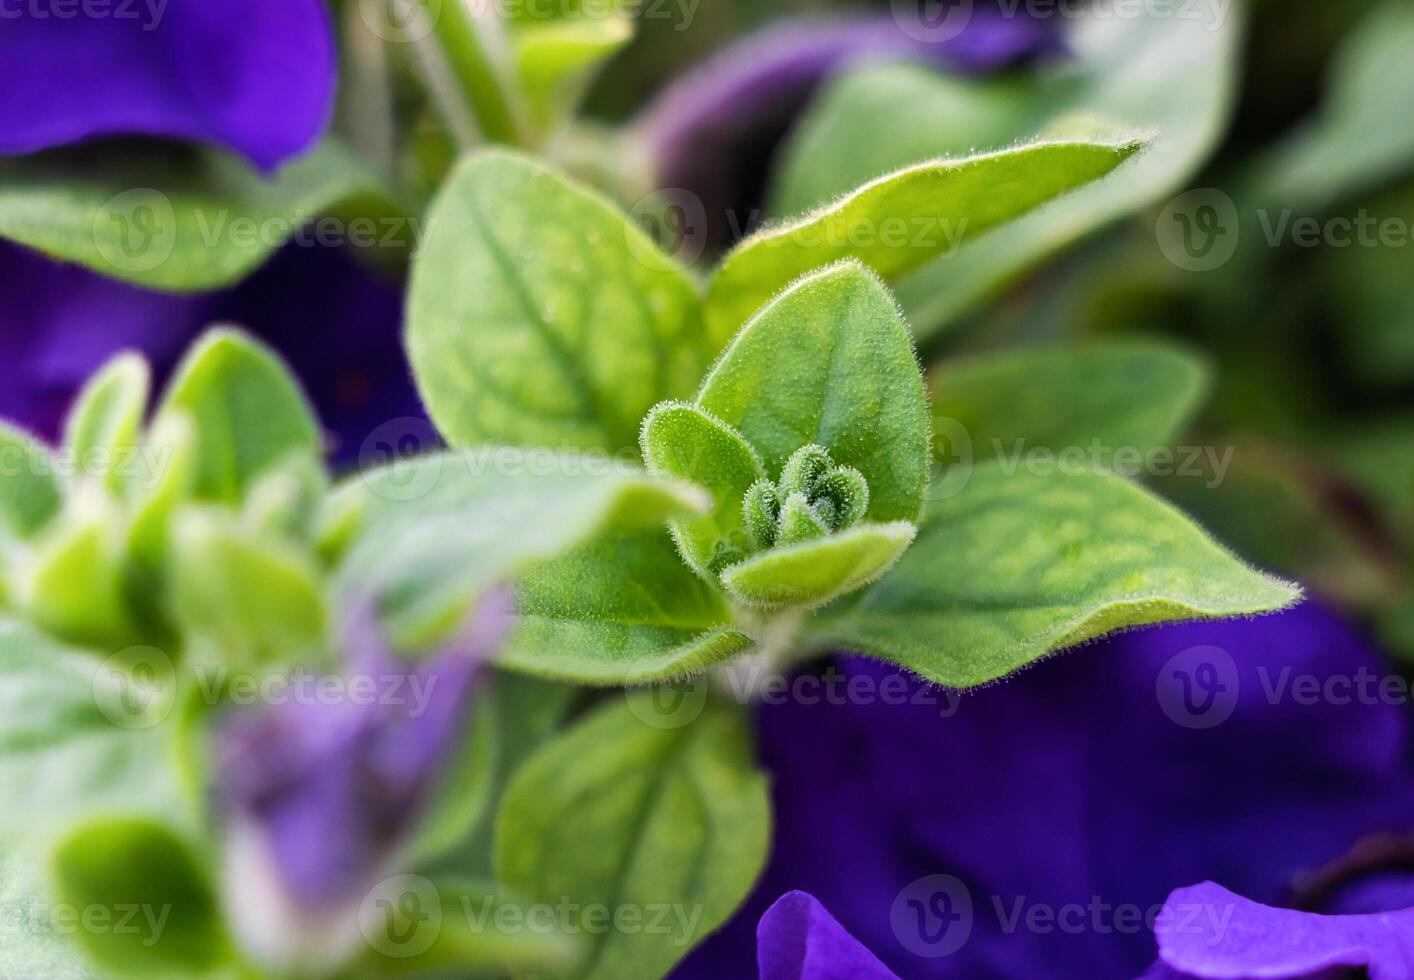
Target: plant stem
x: 480, y: 78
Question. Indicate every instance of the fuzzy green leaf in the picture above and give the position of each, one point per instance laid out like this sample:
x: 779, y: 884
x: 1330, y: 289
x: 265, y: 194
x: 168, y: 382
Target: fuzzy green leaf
x: 105, y: 423
x: 78, y: 734
x: 627, y: 814
x: 900, y: 221
x: 539, y: 314
x: 830, y: 362
x: 253, y: 595
x: 30, y: 494
x: 684, y: 442
x: 812, y: 572
x: 1124, y: 395
x: 121, y: 864
x: 1017, y: 565
x: 182, y: 219
x: 435, y: 531
x: 620, y: 609
x: 248, y: 410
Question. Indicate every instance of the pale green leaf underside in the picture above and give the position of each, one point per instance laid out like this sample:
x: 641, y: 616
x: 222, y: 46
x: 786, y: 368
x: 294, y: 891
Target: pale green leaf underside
x: 435, y: 531
x: 1119, y: 396
x: 539, y: 314
x: 621, y: 609
x: 1018, y: 565
x: 623, y: 813
x: 898, y: 222
x: 181, y: 219
x: 29, y: 494
x: 814, y: 572
x: 38, y: 948
x: 106, y: 419
x: 829, y: 362
x: 61, y: 755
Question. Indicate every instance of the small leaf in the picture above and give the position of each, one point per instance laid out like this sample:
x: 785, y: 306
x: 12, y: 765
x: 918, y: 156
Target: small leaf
x: 556, y: 56
x: 685, y: 442
x: 74, y: 582
x: 251, y: 595
x: 171, y: 445
x: 812, y: 572
x: 435, y: 531
x: 179, y: 218
x: 566, y: 324
x: 248, y: 410
x: 105, y: 425
x: 900, y: 221
x: 1117, y: 396
x: 622, y: 608
x: 628, y: 815
x: 830, y: 362
x: 1017, y: 565
x: 142, y: 873
x: 30, y: 496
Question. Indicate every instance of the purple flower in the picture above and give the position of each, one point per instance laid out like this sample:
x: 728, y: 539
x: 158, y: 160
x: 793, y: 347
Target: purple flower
x: 255, y: 76
x: 1205, y: 932
x: 1034, y: 828
x: 798, y: 939
x: 713, y: 131
x: 321, y: 790
x: 335, y: 322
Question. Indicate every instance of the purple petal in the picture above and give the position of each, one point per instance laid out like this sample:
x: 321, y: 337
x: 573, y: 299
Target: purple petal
x: 1207, y: 931
x: 798, y: 939
x: 713, y: 131
x: 255, y: 76
x: 331, y: 784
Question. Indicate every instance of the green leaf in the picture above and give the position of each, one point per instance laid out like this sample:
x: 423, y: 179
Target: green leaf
x: 74, y: 582
x: 248, y: 410
x: 556, y: 56
x: 539, y: 314
x: 140, y: 873
x: 830, y: 362
x: 1117, y: 396
x: 105, y: 425
x: 685, y: 442
x: 78, y: 735
x: 1159, y: 72
x: 1360, y: 138
x: 621, y: 609
x: 30, y: 495
x: 249, y: 594
x: 1017, y: 565
x: 631, y: 815
x: 899, y: 221
x: 179, y: 218
x: 812, y: 573
x: 464, y: 791
x: 171, y: 444
x: 435, y: 531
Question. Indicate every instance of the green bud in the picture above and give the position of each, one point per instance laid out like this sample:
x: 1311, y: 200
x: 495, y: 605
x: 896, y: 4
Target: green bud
x: 761, y: 512
x: 803, y: 471
x: 800, y: 522
x: 843, y: 497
